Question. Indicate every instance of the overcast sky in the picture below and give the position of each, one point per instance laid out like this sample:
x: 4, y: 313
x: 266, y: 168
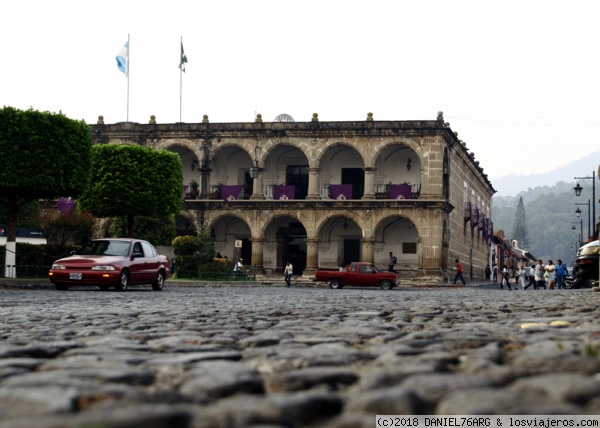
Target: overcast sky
x: 517, y: 79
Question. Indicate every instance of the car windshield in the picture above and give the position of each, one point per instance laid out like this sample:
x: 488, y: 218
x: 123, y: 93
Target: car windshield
x: 105, y: 248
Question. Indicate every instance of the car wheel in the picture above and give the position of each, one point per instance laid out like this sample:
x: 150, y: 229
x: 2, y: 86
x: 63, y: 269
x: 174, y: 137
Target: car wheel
x: 62, y: 287
x: 335, y: 284
x: 386, y: 285
x: 579, y: 282
x: 160, y: 281
x: 123, y: 281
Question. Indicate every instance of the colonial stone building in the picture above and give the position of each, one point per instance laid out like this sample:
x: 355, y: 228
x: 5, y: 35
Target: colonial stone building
x: 324, y: 193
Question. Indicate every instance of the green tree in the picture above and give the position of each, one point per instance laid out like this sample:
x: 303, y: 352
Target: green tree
x: 520, y: 226
x: 193, y: 251
x: 44, y: 155
x: 157, y: 230
x: 131, y: 181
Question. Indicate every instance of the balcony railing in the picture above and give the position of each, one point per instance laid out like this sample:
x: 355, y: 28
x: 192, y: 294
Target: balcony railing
x: 327, y: 192
x: 398, y: 191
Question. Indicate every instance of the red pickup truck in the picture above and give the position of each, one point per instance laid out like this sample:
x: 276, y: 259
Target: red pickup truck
x: 358, y: 274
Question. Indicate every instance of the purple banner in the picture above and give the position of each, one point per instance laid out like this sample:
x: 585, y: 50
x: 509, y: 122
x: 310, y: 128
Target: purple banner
x: 284, y: 192
x: 341, y: 191
x: 483, y: 226
x: 229, y: 193
x: 400, y: 191
x: 66, y: 205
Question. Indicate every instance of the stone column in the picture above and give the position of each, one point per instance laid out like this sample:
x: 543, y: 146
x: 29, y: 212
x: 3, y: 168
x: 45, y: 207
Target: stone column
x: 369, y: 183
x: 313, y: 184
x: 312, y: 257
x: 204, y: 180
x: 257, y: 187
x: 429, y: 246
x: 368, y: 251
x: 257, y: 254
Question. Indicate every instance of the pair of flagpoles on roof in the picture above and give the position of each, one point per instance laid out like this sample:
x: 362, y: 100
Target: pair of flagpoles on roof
x: 123, y: 65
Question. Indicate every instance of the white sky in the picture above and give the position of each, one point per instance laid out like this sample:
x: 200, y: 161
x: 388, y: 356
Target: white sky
x: 517, y: 79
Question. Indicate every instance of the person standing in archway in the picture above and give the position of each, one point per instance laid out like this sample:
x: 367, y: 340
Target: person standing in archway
x: 392, y: 262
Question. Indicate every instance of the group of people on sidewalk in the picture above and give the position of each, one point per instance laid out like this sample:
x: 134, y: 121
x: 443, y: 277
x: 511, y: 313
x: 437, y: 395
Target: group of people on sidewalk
x: 550, y: 276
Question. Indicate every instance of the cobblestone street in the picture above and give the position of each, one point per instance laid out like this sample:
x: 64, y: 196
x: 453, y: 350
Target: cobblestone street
x: 270, y: 356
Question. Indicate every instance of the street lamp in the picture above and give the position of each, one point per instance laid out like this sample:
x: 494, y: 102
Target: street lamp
x: 578, y: 212
x: 578, y: 190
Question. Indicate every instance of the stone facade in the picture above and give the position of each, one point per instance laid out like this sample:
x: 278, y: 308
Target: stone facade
x: 324, y: 193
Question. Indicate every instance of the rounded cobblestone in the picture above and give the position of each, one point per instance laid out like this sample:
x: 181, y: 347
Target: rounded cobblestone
x: 271, y: 356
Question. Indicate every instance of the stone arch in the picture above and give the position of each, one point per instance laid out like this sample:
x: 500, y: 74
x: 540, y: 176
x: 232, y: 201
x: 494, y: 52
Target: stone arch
x: 329, y: 145
x: 284, y: 213
x: 339, y: 241
x: 345, y: 163
x: 285, y: 163
x: 211, y: 219
x: 379, y: 148
x: 400, y: 235
x: 227, y: 227
x: 322, y: 221
x: 271, y: 146
x: 411, y: 216
x: 180, y: 225
x: 284, y: 237
x: 193, y: 146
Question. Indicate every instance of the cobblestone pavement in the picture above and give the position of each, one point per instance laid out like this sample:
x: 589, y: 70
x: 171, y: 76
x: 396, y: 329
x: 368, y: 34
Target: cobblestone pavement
x: 277, y: 357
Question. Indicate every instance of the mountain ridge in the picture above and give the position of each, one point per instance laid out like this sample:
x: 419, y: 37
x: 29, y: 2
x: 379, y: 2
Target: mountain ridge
x: 512, y: 185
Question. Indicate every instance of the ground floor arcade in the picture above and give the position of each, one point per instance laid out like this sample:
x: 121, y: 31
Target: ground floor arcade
x: 327, y: 238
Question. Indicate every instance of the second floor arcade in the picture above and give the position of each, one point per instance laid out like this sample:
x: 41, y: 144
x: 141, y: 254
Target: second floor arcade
x: 362, y: 160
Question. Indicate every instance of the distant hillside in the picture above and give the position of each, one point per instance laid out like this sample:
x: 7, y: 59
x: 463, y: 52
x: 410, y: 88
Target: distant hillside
x: 550, y: 215
x: 512, y: 185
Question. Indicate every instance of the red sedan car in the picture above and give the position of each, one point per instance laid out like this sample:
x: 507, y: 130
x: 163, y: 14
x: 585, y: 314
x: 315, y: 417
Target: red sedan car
x: 110, y: 263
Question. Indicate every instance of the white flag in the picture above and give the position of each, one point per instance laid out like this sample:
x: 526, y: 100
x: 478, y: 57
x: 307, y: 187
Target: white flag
x: 123, y: 59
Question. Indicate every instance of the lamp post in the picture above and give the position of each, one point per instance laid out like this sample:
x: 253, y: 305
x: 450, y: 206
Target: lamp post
x: 573, y: 228
x: 578, y: 189
x: 205, y: 168
x: 578, y: 212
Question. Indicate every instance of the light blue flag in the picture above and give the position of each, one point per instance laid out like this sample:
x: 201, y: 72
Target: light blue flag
x: 123, y: 59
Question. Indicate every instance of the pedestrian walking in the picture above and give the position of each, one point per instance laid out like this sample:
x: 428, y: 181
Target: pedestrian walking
x: 551, y: 271
x: 561, y: 274
x: 287, y: 274
x: 520, y: 278
x: 506, y: 275
x: 459, y: 273
x: 531, y: 278
x: 539, y: 275
x: 495, y: 274
x: 488, y: 272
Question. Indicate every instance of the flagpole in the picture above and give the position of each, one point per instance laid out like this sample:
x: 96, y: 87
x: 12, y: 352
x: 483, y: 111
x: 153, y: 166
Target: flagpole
x: 128, y: 66
x: 180, y: 81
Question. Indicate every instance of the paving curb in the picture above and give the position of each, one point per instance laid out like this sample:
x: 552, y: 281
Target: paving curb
x: 43, y: 284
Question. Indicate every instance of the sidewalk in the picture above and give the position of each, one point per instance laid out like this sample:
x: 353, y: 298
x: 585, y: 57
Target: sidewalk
x: 261, y: 281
